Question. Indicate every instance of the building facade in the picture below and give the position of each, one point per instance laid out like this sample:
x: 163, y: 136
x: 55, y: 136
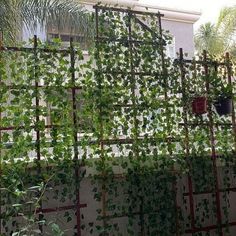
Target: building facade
x: 178, y: 22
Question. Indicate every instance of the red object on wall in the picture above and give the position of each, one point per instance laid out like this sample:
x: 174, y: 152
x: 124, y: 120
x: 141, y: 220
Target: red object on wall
x: 199, y: 105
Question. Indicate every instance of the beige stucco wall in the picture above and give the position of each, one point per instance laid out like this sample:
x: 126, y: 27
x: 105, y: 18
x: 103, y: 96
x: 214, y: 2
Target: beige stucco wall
x: 183, y: 35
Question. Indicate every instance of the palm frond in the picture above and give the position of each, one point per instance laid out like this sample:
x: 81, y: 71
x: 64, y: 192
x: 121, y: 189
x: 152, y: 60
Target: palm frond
x: 61, y: 12
x: 207, y: 38
x: 8, y: 20
x: 42, y: 12
x: 227, y: 25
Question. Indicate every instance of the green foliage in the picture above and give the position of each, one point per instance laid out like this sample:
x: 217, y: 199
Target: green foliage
x: 218, y: 38
x: 122, y: 125
x: 208, y: 38
x: 26, y: 180
x: 34, y: 14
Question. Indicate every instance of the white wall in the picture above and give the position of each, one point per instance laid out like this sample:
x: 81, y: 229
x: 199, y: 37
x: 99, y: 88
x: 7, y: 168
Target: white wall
x: 183, y: 34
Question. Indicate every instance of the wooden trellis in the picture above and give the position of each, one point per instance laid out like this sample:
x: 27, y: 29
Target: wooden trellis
x: 136, y: 139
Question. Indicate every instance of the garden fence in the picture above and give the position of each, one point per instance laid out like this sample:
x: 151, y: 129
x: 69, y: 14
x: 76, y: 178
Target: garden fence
x: 128, y: 128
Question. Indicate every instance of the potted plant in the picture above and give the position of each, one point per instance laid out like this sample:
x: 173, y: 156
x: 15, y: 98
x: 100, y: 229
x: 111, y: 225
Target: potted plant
x: 223, y: 99
x: 223, y: 105
x: 199, y: 105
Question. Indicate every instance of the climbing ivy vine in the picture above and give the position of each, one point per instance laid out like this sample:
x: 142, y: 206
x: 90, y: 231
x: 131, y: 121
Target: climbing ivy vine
x: 120, y: 122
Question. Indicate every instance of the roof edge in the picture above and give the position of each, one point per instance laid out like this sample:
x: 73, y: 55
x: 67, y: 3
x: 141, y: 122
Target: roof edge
x: 170, y: 14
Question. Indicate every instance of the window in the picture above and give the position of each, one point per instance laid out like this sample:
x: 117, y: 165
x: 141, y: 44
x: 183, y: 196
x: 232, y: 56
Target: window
x: 65, y: 38
x: 170, y: 49
x: 69, y: 30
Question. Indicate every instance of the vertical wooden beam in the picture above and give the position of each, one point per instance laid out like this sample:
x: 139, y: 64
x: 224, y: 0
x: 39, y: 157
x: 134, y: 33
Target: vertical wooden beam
x: 213, y: 143
x: 75, y: 137
x: 186, y: 134
x: 0, y: 147
x: 101, y: 133
x: 37, y: 120
x: 165, y: 84
x: 229, y: 77
x: 135, y: 113
x: 1, y: 38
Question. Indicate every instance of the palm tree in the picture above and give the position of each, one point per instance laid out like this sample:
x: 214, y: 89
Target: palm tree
x: 226, y: 26
x: 7, y: 18
x: 15, y: 14
x: 221, y: 37
x: 208, y: 38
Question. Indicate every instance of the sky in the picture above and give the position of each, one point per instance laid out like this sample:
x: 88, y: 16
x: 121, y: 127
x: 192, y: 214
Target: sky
x: 210, y: 8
